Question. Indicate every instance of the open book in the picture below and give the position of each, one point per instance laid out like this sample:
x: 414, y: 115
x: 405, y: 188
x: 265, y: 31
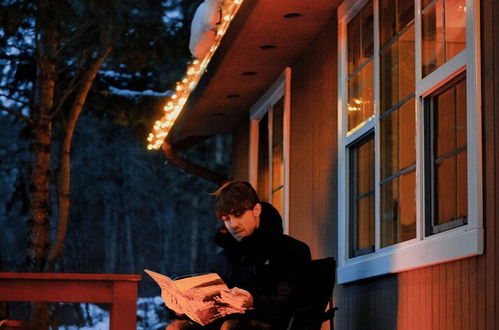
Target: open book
x: 199, y: 297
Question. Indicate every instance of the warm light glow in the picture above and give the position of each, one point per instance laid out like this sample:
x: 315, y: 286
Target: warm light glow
x: 194, y: 72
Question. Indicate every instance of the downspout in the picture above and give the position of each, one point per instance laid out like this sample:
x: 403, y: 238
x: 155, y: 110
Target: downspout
x: 190, y: 167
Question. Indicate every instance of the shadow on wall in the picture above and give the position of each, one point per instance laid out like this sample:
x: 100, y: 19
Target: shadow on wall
x: 368, y: 304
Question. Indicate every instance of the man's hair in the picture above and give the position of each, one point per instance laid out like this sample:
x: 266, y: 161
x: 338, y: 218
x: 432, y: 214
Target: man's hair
x: 235, y: 197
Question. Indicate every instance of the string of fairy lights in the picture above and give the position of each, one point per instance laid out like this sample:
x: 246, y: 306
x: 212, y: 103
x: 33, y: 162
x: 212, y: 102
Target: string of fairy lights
x: 194, y: 72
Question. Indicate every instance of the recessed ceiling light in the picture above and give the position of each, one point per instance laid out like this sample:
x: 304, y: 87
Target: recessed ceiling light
x: 233, y: 96
x: 268, y: 46
x: 292, y: 15
x: 249, y: 73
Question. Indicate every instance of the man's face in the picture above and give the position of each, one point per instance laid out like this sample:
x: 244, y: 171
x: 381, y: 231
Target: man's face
x: 244, y: 224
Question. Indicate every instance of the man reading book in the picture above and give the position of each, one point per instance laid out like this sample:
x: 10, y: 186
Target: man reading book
x: 265, y: 268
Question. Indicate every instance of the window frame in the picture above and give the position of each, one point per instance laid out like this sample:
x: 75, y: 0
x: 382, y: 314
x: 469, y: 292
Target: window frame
x: 452, y: 244
x: 281, y: 88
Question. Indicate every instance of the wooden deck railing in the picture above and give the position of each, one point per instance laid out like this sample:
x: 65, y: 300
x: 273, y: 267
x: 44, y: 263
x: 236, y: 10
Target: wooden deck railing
x: 119, y: 290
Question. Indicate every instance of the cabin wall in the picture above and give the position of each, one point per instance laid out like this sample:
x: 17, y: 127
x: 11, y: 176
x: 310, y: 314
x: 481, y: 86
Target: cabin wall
x: 313, y: 145
x: 240, y: 152
x: 455, y: 295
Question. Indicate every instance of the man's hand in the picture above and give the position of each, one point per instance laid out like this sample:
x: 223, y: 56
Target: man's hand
x: 237, y: 297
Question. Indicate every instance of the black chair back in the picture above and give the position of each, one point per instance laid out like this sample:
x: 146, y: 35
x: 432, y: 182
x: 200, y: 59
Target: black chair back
x: 321, y: 281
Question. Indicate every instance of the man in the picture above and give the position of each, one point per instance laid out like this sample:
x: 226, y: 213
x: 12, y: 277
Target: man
x: 266, y: 268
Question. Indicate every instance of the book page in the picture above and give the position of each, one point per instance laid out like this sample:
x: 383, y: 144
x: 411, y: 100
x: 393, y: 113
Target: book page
x: 203, y: 298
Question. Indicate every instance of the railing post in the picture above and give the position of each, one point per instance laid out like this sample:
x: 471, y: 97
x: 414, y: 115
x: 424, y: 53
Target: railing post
x: 123, y: 310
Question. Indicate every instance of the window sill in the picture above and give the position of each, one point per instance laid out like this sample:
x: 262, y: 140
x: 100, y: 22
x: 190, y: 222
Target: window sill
x: 452, y: 245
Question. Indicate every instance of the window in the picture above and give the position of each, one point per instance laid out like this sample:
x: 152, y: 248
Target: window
x: 409, y: 135
x: 269, y: 145
x: 362, y: 196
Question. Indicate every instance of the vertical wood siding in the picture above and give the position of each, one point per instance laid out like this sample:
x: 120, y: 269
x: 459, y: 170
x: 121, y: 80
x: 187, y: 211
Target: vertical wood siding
x: 312, y: 172
x: 240, y: 152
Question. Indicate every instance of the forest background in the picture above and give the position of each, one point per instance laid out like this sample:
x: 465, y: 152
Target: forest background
x: 81, y: 84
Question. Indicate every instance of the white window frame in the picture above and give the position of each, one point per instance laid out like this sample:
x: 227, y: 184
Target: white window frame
x: 453, y: 244
x: 281, y: 87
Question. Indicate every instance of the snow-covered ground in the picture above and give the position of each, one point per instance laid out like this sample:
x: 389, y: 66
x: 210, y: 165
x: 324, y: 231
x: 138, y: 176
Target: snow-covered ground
x: 151, y: 315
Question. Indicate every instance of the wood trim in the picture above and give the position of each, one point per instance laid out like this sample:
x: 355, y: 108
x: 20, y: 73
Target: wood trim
x: 120, y: 290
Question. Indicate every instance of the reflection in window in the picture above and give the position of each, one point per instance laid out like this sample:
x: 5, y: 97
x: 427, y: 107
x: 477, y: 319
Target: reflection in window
x: 277, y: 192
x: 447, y: 176
x: 360, y: 38
x: 360, y: 67
x: 444, y: 32
x: 270, y: 176
x: 397, y: 70
x: 398, y: 179
x: 263, y: 159
x: 362, y: 197
x: 396, y: 15
x: 360, y: 96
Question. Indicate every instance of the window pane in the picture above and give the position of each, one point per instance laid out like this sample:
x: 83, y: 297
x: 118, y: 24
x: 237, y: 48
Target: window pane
x: 433, y: 36
x: 367, y: 24
x: 387, y: 23
x: 389, y: 213
x: 353, y: 31
x: 365, y: 225
x: 447, y: 171
x: 407, y: 134
x: 389, y: 144
x: 455, y: 27
x: 365, y: 163
x: 397, y: 76
x: 360, y: 38
x: 398, y: 209
x: 362, y: 197
x: 360, y: 96
x: 405, y: 15
x: 444, y: 32
x: 278, y: 200
x: 450, y: 119
x: 263, y: 159
x: 277, y: 167
x: 446, y: 190
x: 407, y: 206
x: 277, y: 122
x: 389, y: 77
x: 407, y: 57
x: 277, y: 145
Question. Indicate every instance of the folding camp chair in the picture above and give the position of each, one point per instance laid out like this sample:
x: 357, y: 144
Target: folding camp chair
x: 321, y: 283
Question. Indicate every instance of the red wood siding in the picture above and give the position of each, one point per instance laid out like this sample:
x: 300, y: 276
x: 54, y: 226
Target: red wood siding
x: 312, y: 169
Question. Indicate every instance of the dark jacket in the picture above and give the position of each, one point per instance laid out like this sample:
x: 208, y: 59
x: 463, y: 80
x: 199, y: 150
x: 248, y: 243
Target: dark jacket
x: 270, y: 265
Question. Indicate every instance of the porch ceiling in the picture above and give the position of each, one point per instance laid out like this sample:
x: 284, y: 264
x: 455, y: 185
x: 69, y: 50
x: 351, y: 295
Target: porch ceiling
x: 264, y: 38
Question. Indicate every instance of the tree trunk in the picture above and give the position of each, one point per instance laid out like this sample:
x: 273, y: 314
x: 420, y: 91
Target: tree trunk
x: 39, y: 238
x: 64, y: 173
x: 41, y: 141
